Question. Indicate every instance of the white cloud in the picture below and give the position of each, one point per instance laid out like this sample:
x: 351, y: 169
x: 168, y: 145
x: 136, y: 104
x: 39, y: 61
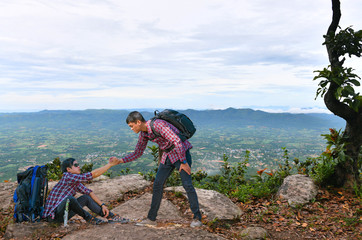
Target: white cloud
x: 196, y: 54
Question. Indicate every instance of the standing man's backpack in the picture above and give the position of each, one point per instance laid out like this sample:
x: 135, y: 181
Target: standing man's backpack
x: 177, y: 119
x: 29, y: 196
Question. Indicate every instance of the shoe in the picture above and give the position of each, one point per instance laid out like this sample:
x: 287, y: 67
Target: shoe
x: 147, y: 222
x: 118, y: 219
x: 96, y: 221
x: 196, y: 223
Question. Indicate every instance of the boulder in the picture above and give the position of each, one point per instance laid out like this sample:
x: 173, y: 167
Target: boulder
x: 213, y: 204
x: 113, y: 189
x: 137, y: 208
x: 251, y: 233
x: 297, y: 189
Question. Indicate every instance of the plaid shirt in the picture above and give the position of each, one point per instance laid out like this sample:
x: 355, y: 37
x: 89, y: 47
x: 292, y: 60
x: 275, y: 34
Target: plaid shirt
x: 67, y: 186
x: 168, y: 138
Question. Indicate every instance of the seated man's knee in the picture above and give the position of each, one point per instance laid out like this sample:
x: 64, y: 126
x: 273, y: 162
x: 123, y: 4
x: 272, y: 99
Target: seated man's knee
x: 71, y: 199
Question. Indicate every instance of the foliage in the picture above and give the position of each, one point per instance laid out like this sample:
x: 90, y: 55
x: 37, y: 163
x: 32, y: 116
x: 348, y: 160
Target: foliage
x: 111, y: 173
x: 345, y: 42
x: 345, y: 79
x: 358, y: 191
x: 55, y: 170
x: 323, y: 167
x: 336, y: 144
x: 326, y: 164
x: 151, y: 175
x: 233, y: 183
x: 86, y: 168
x: 229, y: 179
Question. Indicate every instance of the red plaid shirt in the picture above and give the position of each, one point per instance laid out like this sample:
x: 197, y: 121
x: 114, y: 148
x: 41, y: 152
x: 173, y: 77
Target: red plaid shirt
x: 168, y: 138
x: 67, y: 186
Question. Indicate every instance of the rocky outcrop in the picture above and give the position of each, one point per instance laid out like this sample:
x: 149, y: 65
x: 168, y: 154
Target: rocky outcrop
x: 6, y: 194
x: 130, y: 231
x: 171, y: 224
x: 137, y: 208
x: 213, y: 204
x: 298, y: 190
x: 113, y: 189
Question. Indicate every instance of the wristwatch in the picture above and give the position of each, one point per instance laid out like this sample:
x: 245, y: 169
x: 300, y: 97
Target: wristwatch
x: 103, y: 204
x: 184, y: 162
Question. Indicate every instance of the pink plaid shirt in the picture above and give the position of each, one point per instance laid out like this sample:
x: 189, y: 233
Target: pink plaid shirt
x: 168, y: 138
x: 67, y: 186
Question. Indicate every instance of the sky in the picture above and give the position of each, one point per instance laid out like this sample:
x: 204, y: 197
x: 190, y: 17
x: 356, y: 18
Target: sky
x: 189, y: 54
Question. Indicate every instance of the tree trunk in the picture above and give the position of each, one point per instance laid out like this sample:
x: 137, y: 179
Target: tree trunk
x: 347, y: 172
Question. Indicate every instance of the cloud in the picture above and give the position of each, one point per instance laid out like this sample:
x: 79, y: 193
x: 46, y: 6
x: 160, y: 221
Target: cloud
x: 194, y: 54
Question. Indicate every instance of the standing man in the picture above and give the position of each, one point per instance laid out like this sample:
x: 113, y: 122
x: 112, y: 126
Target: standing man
x: 72, y: 182
x: 176, y: 155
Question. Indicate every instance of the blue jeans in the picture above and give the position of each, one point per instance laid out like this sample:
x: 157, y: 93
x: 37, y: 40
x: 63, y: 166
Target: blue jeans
x: 164, y: 171
x: 76, y: 207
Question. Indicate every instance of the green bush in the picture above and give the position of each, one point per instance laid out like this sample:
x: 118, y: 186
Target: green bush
x: 232, y: 181
x: 55, y: 170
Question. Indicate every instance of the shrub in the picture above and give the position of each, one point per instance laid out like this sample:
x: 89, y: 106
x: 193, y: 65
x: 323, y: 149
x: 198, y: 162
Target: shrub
x: 55, y: 171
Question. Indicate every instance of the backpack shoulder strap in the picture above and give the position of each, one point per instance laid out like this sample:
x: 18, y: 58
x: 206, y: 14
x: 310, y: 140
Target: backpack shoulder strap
x: 33, y: 178
x: 153, y: 129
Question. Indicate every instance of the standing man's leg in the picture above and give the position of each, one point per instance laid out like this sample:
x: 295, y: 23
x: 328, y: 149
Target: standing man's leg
x: 189, y: 188
x: 163, y: 172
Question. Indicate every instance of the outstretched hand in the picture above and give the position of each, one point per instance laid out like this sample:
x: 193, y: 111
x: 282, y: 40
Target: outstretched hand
x: 115, y: 161
x: 186, y: 167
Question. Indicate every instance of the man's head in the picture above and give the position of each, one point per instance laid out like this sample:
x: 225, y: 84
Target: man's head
x: 70, y: 165
x: 136, y: 122
x: 134, y: 117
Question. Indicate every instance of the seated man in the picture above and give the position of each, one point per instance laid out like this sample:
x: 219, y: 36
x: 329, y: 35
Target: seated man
x: 72, y: 182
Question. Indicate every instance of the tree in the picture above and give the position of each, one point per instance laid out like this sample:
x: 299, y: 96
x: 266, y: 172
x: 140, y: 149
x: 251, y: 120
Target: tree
x: 338, y: 89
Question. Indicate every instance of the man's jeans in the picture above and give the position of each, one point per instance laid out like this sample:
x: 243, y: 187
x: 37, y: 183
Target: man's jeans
x: 76, y: 207
x: 164, y: 171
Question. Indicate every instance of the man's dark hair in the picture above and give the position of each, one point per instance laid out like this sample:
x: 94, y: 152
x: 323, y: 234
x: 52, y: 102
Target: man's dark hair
x: 134, y: 117
x: 67, y: 163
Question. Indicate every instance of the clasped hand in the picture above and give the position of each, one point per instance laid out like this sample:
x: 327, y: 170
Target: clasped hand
x: 115, y: 161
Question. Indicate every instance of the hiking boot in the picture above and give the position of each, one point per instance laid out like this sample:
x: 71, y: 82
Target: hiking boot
x: 118, y: 219
x: 96, y: 221
x: 196, y: 223
x: 147, y: 222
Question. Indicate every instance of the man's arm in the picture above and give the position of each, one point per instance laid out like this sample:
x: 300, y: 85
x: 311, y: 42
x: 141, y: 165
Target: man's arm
x: 99, y: 171
x: 138, y: 152
x: 104, y: 207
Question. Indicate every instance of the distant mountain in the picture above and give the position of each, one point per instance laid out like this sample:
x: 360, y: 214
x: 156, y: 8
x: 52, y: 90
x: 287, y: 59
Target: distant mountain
x: 115, y: 119
x: 247, y: 117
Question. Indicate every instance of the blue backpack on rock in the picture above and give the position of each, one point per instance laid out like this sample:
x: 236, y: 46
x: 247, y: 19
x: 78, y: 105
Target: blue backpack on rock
x: 29, y: 196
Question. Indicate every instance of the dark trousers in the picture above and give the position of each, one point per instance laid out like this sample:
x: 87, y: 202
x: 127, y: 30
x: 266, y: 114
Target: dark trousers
x: 76, y: 207
x: 164, y: 171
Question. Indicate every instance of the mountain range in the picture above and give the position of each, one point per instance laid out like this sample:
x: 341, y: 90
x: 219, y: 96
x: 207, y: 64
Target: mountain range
x: 115, y: 119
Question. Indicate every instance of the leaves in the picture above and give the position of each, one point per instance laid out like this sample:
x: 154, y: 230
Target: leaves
x: 345, y: 42
x: 334, y: 213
